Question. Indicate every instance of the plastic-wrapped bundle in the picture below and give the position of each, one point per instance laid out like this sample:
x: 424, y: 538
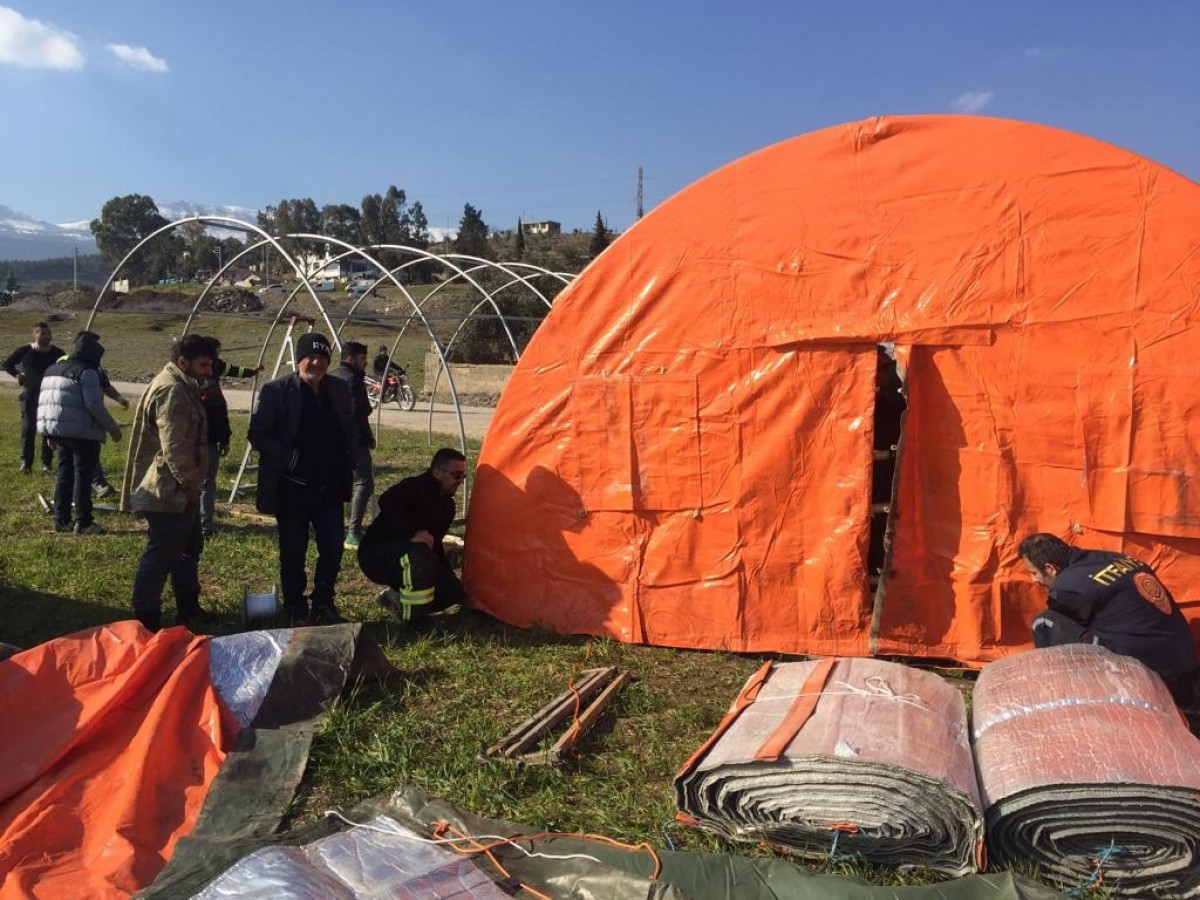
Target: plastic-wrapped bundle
x: 1087, y: 770
x: 842, y: 756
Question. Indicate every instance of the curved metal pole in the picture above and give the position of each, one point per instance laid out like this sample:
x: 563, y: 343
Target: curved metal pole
x: 462, y: 428
x: 221, y: 221
x: 444, y: 260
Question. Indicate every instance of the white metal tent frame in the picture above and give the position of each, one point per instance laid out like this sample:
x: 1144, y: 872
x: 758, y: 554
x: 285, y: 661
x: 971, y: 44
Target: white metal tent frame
x: 459, y: 274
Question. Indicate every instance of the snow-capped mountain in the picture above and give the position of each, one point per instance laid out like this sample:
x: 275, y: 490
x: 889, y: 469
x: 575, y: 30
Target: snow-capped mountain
x: 183, y: 209
x: 24, y: 237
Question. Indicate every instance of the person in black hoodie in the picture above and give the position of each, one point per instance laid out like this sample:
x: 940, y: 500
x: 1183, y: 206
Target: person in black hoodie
x: 1115, y: 601
x: 403, y: 547
x: 28, y: 363
x: 353, y: 371
x: 219, y: 431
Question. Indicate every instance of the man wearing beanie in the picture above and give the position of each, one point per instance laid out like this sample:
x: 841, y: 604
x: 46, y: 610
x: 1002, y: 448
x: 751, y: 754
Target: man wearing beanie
x: 303, y: 429
x: 71, y: 413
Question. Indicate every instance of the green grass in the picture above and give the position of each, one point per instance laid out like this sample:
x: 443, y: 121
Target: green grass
x: 464, y: 679
x: 137, y: 343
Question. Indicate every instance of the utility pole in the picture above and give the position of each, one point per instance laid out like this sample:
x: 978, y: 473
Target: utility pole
x: 640, y: 195
x: 75, y: 270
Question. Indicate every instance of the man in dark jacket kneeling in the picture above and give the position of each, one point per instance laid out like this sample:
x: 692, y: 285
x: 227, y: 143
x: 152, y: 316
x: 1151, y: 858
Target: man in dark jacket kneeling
x: 403, y: 547
x: 1114, y: 601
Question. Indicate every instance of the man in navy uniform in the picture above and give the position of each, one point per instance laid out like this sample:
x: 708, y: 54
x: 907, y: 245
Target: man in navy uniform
x: 1115, y: 601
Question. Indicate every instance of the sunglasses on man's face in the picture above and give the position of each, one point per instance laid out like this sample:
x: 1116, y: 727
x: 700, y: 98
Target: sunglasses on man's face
x: 457, y: 476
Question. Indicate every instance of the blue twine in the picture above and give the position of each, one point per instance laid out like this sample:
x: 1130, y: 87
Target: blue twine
x: 1101, y: 858
x: 666, y: 836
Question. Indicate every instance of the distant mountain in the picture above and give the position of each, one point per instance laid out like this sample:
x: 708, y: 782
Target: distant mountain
x: 24, y: 237
x: 183, y: 209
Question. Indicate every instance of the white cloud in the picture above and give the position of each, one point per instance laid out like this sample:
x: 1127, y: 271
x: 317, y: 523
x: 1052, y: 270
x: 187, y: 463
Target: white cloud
x: 35, y: 45
x: 137, y: 58
x: 972, y: 101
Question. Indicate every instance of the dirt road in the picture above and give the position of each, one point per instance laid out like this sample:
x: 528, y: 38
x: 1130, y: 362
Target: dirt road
x: 475, y: 418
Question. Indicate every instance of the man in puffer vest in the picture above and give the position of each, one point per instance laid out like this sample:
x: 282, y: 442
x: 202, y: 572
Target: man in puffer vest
x: 71, y: 414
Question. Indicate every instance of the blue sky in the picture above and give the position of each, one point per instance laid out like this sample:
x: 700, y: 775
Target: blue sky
x: 542, y: 110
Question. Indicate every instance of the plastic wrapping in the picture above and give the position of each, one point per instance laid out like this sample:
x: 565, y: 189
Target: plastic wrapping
x: 382, y: 859
x: 1088, y: 772
x: 683, y: 455
x: 858, y: 757
x: 243, y: 666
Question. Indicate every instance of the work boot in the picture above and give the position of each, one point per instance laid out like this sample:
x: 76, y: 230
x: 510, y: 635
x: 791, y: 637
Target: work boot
x: 94, y: 528
x: 351, y: 541
x: 326, y: 614
x: 296, y: 614
x: 26, y: 469
x: 389, y: 599
x: 198, y: 621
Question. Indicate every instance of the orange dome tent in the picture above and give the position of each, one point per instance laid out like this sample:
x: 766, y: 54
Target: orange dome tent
x: 696, y: 448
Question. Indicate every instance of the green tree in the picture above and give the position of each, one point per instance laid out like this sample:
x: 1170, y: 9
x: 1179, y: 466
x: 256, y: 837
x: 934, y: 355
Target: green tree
x: 418, y: 226
x: 601, y: 237
x: 341, y: 221
x: 472, y: 237
x: 370, y: 228
x: 519, y: 242
x: 10, y: 281
x: 418, y: 236
x: 123, y: 223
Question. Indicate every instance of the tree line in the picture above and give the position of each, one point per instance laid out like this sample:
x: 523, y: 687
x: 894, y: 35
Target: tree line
x: 387, y: 218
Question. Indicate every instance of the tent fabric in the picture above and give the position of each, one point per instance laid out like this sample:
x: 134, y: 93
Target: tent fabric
x: 120, y: 732
x: 684, y: 454
x: 583, y: 867
x: 1087, y: 771
x: 855, y: 757
x: 379, y: 858
x: 135, y: 748
x: 306, y: 671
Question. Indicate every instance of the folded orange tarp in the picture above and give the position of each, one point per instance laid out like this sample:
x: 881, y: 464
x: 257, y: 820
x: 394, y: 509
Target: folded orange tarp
x: 112, y: 737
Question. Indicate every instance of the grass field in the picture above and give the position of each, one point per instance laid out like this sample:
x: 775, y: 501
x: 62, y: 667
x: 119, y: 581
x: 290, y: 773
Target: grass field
x: 136, y: 344
x: 465, y: 680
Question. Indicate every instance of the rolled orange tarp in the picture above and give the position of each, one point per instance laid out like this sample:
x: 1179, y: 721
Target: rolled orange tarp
x: 112, y: 737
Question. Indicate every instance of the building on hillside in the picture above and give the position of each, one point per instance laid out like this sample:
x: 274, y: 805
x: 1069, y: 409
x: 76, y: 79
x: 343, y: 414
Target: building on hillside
x: 547, y: 228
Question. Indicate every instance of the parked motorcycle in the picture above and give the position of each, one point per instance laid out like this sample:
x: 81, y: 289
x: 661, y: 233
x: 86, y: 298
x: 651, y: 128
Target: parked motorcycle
x: 395, y: 387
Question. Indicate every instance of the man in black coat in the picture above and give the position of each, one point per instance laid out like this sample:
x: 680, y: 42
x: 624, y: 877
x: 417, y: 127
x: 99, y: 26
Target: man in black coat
x: 303, y: 429
x: 28, y: 363
x: 353, y: 371
x: 1115, y: 601
x: 219, y: 431
x: 403, y: 547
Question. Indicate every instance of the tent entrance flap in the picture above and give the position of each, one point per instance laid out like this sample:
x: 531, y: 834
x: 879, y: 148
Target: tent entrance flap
x: 891, y: 408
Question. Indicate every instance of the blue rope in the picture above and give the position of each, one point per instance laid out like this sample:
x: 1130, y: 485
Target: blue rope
x: 1101, y: 858
x: 667, y: 836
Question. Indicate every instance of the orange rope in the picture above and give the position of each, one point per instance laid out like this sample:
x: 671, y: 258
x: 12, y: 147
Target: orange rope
x: 442, y: 828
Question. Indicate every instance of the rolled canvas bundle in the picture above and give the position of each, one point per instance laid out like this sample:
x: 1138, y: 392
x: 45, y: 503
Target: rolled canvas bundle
x: 842, y: 756
x: 1087, y: 770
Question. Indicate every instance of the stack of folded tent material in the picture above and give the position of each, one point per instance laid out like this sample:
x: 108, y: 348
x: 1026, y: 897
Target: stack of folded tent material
x: 842, y: 756
x: 1087, y: 770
